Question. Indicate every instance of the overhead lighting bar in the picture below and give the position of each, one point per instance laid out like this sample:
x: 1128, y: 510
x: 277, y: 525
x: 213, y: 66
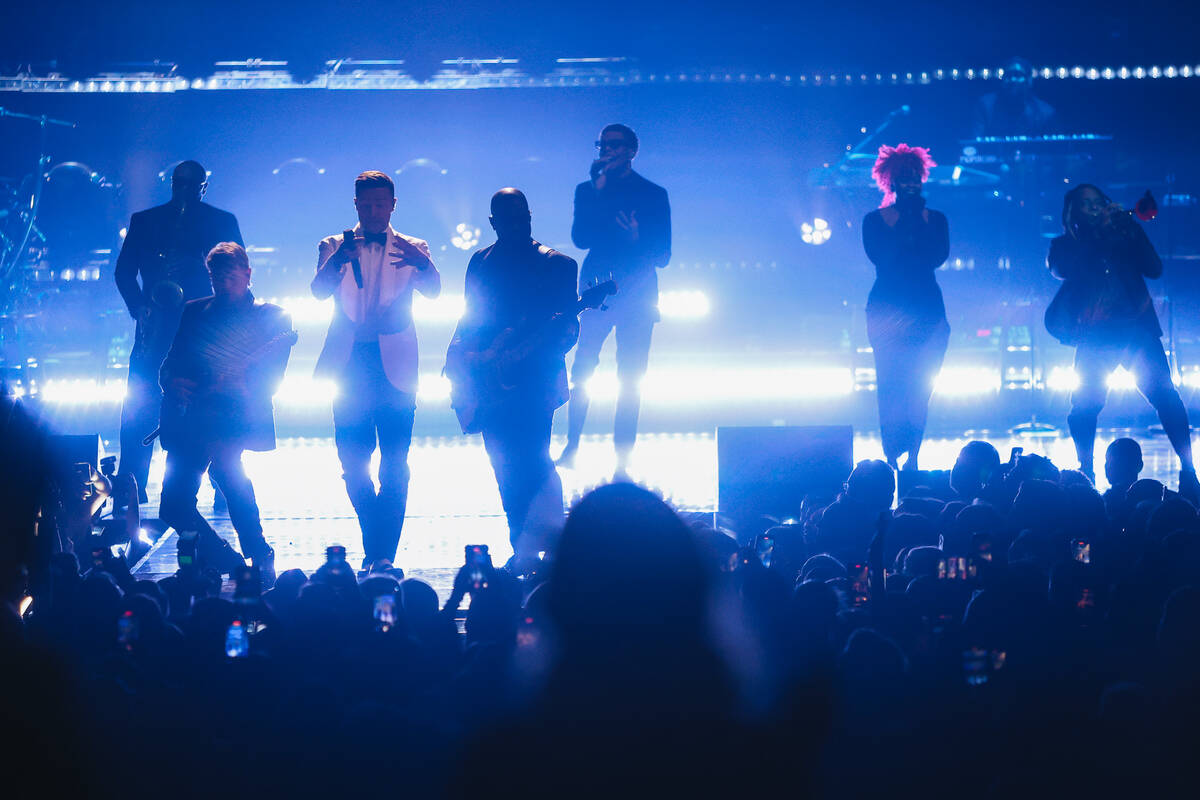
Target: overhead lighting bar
x: 484, y: 73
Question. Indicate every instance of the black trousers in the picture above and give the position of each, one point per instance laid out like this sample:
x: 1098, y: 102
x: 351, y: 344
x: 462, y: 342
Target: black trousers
x: 907, y: 361
x: 1143, y: 355
x: 370, y: 412
x: 143, y: 397
x: 634, y: 332
x: 186, y: 464
x: 517, y: 441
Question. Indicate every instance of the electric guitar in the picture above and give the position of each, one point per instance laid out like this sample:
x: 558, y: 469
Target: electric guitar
x: 483, y: 373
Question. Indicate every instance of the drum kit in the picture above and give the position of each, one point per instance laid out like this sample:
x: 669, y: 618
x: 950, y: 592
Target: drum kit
x: 57, y: 241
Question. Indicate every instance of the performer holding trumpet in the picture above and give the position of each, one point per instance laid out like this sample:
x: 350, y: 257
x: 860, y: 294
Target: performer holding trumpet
x: 1104, y: 309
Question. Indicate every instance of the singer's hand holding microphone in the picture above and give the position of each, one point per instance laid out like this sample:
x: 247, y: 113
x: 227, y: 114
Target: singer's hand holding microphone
x: 349, y: 249
x: 1117, y: 221
x: 599, y: 171
x: 406, y: 255
x: 348, y: 253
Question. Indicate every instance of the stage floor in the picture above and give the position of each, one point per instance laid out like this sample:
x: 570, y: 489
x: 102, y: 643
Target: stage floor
x: 453, y: 499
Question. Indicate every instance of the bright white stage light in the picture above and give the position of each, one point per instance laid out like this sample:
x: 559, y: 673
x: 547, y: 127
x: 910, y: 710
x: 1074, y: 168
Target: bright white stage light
x: 673, y: 386
x: 683, y: 386
x: 305, y: 310
x: 680, y: 304
x: 966, y: 381
x: 466, y: 236
x: 432, y: 387
x: 668, y: 386
x: 305, y: 391
x: 309, y: 311
x: 1121, y: 380
x: 815, y: 232
x: 443, y: 308
x: 1062, y: 379
x: 295, y: 391
x: 683, y: 304
x: 82, y: 391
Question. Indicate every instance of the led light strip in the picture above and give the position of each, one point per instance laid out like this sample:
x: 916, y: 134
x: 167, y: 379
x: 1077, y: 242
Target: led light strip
x: 478, y: 77
x: 680, y: 304
x: 672, y: 386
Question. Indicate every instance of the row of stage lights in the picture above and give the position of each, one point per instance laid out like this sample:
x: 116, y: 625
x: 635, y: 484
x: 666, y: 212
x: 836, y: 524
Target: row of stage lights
x: 262, y: 75
x: 667, y: 386
x: 679, y: 304
x: 668, y: 301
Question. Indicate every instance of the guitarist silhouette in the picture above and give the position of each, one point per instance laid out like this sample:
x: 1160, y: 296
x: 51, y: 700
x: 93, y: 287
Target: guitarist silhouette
x: 507, y: 367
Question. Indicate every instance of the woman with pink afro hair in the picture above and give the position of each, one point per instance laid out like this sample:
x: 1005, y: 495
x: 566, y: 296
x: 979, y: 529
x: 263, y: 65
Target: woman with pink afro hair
x: 906, y: 318
x: 893, y: 161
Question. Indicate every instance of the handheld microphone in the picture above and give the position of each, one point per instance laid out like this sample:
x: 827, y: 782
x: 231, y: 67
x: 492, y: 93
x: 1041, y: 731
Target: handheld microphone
x: 902, y: 111
x: 598, y: 167
x: 348, y: 236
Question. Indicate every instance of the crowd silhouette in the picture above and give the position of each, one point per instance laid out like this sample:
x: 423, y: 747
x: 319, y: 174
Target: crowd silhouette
x: 1017, y: 633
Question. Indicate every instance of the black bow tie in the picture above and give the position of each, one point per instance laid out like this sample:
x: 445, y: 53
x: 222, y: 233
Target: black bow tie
x: 375, y: 238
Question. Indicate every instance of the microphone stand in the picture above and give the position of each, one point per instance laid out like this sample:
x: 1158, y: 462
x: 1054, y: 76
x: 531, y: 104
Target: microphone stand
x: 43, y: 121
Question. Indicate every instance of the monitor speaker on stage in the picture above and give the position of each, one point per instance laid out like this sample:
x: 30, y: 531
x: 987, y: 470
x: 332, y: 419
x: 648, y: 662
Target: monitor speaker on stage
x: 925, y: 483
x: 66, y: 450
x: 768, y: 471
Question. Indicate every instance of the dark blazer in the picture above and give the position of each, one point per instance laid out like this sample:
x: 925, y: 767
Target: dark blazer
x: 634, y: 265
x: 151, y: 235
x: 1103, y: 295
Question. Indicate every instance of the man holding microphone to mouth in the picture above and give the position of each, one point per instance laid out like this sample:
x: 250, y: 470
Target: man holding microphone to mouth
x: 371, y: 353
x: 624, y: 222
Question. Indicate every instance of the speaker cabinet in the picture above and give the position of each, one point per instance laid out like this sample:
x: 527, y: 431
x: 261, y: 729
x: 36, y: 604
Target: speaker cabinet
x: 770, y: 470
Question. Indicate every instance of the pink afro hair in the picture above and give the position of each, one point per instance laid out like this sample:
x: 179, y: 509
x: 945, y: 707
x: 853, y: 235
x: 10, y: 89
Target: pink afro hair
x: 894, y: 160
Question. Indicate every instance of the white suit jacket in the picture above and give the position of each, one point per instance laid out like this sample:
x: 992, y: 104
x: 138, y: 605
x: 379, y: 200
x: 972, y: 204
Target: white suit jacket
x: 385, y: 302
